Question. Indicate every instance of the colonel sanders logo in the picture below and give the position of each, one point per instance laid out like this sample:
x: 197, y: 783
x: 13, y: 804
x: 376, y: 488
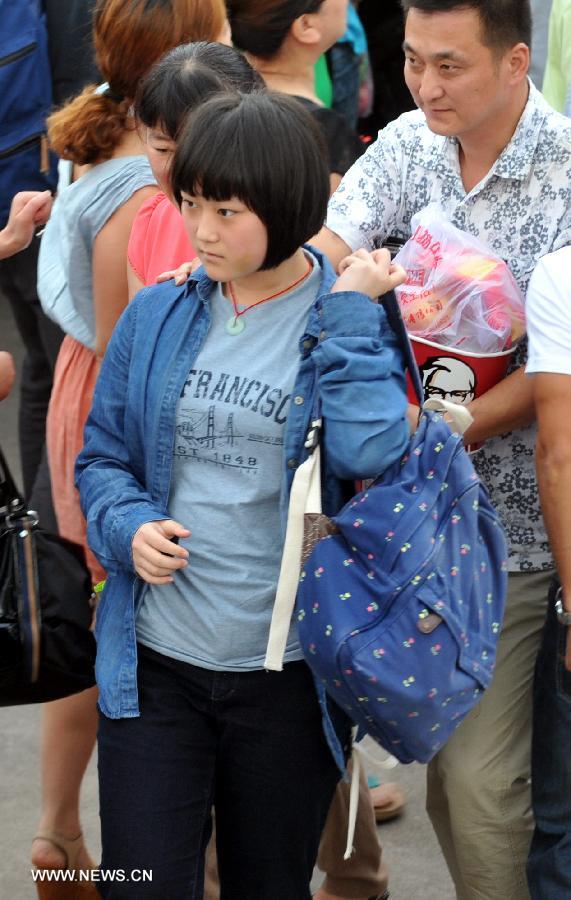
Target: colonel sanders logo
x: 446, y: 378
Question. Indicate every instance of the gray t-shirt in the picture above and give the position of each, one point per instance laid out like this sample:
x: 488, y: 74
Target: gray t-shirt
x: 225, y: 489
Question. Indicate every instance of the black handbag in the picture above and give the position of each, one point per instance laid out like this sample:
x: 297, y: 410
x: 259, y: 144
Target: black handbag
x: 46, y: 607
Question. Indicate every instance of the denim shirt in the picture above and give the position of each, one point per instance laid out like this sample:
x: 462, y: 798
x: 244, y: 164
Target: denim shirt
x: 124, y: 470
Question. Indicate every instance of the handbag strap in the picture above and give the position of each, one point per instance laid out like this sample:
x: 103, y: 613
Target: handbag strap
x: 305, y: 496
x: 8, y: 490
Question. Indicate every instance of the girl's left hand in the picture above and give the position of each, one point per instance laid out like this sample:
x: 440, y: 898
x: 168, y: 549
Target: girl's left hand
x: 367, y: 273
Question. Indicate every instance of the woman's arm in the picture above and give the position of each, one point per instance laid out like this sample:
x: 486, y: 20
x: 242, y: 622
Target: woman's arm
x: 110, y: 289
x: 361, y: 371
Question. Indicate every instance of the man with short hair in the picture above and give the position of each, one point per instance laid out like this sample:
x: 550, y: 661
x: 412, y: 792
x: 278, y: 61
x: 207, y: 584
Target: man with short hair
x: 486, y: 145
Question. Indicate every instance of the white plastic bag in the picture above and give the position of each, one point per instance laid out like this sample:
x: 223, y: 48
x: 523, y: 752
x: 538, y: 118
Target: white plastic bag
x: 457, y: 293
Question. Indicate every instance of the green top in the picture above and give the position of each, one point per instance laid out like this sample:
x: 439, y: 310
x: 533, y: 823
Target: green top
x: 323, y: 85
x: 557, y: 79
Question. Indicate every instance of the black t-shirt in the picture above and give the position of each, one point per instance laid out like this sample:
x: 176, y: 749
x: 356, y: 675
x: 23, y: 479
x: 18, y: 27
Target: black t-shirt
x: 343, y: 143
x: 70, y: 47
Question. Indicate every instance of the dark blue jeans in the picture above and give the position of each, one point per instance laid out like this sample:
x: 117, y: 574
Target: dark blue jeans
x: 549, y: 864
x: 251, y: 745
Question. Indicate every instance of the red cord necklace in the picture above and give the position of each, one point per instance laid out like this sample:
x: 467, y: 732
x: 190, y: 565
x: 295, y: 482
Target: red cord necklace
x: 235, y: 325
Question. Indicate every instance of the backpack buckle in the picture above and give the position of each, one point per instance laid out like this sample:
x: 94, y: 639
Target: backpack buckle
x: 312, y: 439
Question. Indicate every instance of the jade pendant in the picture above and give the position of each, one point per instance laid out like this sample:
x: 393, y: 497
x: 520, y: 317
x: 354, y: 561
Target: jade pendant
x: 234, y: 325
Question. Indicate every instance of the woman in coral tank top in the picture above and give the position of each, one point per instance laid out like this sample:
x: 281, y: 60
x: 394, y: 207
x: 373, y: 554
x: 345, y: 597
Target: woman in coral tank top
x: 179, y: 82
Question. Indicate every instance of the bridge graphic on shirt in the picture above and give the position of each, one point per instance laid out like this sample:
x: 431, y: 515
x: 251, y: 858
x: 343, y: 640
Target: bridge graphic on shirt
x: 200, y: 438
x: 208, y: 437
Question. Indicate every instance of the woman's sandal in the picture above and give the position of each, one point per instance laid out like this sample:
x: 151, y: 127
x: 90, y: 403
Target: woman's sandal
x: 66, y: 890
x: 388, y: 801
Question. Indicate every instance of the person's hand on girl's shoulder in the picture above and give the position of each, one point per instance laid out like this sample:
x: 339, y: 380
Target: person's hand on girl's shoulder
x: 372, y: 274
x: 155, y: 554
x: 181, y: 274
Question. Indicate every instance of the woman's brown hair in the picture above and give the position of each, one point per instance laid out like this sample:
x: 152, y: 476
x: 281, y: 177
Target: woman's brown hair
x: 129, y: 37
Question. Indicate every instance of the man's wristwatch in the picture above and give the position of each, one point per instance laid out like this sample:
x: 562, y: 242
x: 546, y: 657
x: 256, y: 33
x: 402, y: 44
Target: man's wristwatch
x: 563, y: 617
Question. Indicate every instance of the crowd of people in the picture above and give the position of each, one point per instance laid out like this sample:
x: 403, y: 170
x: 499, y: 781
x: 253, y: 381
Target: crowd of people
x: 205, y: 270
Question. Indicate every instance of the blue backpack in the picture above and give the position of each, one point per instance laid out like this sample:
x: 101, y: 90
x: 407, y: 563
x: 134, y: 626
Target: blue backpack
x: 399, y: 609
x: 25, y: 101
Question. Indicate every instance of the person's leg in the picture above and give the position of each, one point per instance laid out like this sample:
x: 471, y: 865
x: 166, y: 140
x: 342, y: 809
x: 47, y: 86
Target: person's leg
x: 41, y: 499
x: 68, y: 737
x: 364, y: 874
x: 479, y: 797
x: 42, y: 339
x: 156, y: 777
x: 211, y: 880
x: 68, y: 726
x: 549, y: 864
x: 275, y: 780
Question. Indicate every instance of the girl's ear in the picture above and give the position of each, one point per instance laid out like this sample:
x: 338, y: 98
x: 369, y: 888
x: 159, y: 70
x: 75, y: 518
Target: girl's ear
x: 305, y: 30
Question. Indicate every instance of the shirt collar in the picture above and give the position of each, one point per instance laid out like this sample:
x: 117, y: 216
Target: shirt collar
x: 517, y: 159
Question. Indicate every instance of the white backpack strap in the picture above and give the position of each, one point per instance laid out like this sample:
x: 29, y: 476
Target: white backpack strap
x: 305, y: 497
x: 461, y: 417
x: 353, y: 800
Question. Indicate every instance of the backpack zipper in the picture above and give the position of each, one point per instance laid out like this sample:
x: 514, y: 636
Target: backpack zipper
x: 28, y: 142
x: 18, y: 54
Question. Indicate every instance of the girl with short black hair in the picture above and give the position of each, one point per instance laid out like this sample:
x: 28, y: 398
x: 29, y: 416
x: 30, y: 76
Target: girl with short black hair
x: 199, y: 421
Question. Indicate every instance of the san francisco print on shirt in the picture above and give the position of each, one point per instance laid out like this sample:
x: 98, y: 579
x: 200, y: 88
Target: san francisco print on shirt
x: 208, y: 429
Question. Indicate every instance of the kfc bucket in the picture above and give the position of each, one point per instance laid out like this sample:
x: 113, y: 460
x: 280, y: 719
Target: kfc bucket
x: 456, y: 375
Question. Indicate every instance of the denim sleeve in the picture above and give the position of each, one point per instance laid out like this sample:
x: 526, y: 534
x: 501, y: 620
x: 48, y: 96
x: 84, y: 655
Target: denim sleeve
x: 361, y: 382
x: 114, y: 501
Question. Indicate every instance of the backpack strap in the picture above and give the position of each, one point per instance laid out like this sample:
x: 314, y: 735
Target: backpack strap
x: 391, y: 307
x: 10, y: 496
x: 460, y: 417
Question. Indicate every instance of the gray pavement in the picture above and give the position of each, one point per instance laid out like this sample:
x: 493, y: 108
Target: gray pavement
x: 417, y: 870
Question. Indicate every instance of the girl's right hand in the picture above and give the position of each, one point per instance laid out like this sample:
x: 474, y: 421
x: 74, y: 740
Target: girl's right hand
x: 372, y: 274
x: 155, y: 555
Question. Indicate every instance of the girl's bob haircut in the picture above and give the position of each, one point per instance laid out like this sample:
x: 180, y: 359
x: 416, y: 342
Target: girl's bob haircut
x: 264, y: 149
x: 185, y: 77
